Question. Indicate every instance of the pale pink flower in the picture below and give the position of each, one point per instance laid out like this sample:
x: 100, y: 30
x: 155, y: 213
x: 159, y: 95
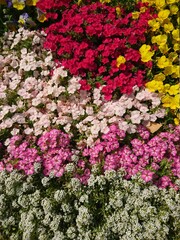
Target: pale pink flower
x: 15, y: 131
x: 28, y: 131
x: 135, y: 117
x: 24, y: 51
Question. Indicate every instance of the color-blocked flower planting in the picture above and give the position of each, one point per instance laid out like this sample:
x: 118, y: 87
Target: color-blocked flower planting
x: 89, y: 120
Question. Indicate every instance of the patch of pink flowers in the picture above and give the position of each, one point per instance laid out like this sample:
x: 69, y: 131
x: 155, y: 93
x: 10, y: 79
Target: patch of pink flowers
x: 56, y: 153
x: 156, y: 159
x: 21, y: 155
x: 51, y: 151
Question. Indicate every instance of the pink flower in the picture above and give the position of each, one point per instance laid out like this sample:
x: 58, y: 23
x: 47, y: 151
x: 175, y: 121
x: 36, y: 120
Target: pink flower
x: 147, y: 175
x: 2, y: 166
x: 60, y: 172
x: 9, y: 167
x: 164, y: 182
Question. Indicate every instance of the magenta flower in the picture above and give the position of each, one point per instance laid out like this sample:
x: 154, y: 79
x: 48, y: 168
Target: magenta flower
x: 147, y: 175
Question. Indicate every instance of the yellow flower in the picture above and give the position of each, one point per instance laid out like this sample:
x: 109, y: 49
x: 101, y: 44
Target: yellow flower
x: 159, y: 77
x: 178, y: 20
x: 173, y: 56
x: 176, y: 121
x: 42, y: 18
x: 160, y: 4
x: 31, y: 2
x: 176, y: 70
x: 151, y: 2
x: 175, y: 102
x: 164, y: 48
x: 143, y: 9
x: 41, y: 15
x: 155, y: 86
x: 171, y: 1
x: 175, y: 34
x: 171, y: 102
x: 176, y: 47
x: 120, y: 60
x: 145, y: 52
x: 163, y: 62
x: 166, y: 100
x: 174, y: 89
x: 168, y: 27
x: 21, y: 21
x: 135, y: 15
x: 166, y: 87
x: 19, y: 5
x: 163, y: 14
x: 118, y: 11
x: 174, y: 9
x: 159, y: 39
x: 154, y: 25
x: 105, y: 1
x: 79, y: 2
x: 168, y: 70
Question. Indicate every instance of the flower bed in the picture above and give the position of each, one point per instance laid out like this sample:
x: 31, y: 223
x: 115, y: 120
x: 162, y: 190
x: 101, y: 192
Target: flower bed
x: 89, y: 122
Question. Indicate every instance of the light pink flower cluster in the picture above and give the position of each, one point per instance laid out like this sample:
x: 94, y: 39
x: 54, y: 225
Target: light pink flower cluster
x: 51, y: 150
x: 152, y: 157
x: 23, y: 70
x: 36, y: 94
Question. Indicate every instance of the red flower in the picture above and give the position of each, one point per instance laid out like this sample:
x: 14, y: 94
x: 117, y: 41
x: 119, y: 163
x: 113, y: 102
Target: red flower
x: 88, y: 40
x: 85, y: 85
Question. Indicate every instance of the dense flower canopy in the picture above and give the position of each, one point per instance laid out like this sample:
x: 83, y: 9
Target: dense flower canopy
x: 89, y: 119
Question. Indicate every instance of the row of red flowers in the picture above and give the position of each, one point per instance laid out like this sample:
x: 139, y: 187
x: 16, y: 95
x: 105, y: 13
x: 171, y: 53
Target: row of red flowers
x: 88, y: 41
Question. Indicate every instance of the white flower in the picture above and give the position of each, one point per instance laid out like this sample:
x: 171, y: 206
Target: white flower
x: 19, y: 118
x: 36, y: 101
x: 51, y: 106
x: 103, y: 126
x: 28, y: 131
x: 96, y: 127
x: 8, y: 122
x: 2, y: 91
x: 123, y: 125
x: 24, y: 94
x: 67, y: 127
x: 135, y: 117
x: 6, y: 143
x: 15, y: 131
x: 90, y: 140
x: 14, y: 63
x: 89, y: 110
x: 119, y: 110
x: 24, y: 51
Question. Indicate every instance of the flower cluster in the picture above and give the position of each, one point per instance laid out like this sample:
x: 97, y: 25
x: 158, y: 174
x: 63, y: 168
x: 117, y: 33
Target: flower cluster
x: 165, y: 42
x: 23, y: 66
x: 109, y: 207
x: 18, y: 13
x: 90, y: 40
x: 56, y: 153
x: 157, y: 158
x: 89, y: 131
x: 41, y: 95
x: 36, y: 94
x: 53, y: 153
